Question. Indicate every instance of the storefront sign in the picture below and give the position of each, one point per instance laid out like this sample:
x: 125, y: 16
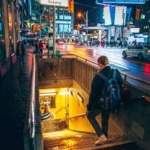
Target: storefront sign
x: 135, y: 30
x: 60, y: 3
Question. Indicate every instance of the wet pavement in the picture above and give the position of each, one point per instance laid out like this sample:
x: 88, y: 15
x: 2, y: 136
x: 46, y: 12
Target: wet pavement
x: 71, y: 140
x: 14, y: 96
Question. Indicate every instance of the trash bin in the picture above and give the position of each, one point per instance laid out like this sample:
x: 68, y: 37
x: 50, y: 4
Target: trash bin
x: 57, y: 53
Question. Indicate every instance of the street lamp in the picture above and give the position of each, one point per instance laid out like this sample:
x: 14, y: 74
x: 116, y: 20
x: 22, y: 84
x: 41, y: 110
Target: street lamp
x: 85, y: 19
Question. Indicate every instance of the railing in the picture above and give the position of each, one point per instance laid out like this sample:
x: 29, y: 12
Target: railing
x: 76, y: 116
x: 89, y: 62
x: 31, y: 120
x: 32, y: 113
x: 60, y: 109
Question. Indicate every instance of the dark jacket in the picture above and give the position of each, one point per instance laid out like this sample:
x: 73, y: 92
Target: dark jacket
x: 97, y: 85
x: 22, y: 47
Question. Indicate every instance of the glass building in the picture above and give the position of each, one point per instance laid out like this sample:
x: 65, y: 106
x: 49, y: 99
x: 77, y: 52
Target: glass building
x: 64, y: 19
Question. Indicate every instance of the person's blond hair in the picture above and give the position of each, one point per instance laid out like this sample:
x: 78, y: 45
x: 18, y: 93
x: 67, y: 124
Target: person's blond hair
x: 103, y: 60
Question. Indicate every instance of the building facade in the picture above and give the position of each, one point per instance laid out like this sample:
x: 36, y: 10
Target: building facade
x: 63, y: 19
x: 9, y: 33
x: 9, y: 28
x: 143, y: 19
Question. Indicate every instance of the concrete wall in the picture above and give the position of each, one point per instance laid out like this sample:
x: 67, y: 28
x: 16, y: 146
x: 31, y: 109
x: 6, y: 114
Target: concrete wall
x: 134, y: 117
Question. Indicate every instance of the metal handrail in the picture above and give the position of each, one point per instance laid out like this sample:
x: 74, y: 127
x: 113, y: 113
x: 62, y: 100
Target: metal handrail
x: 32, y: 113
x: 76, y: 116
x: 31, y: 119
x: 124, y: 74
x: 61, y: 108
x: 86, y: 61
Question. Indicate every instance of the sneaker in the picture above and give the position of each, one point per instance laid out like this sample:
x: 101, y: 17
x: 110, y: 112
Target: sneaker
x: 101, y: 139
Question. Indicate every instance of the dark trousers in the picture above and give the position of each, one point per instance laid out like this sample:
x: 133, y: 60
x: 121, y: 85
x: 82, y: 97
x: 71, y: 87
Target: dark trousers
x: 104, y: 121
x: 21, y: 58
x: 41, y: 50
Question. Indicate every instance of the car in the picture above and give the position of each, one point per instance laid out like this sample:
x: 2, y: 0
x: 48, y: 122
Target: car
x: 141, y: 52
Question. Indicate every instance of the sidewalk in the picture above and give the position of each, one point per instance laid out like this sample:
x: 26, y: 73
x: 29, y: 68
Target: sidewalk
x: 14, y: 96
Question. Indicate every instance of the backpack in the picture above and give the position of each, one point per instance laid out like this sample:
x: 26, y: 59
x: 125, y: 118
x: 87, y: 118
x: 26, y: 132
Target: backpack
x: 111, y: 96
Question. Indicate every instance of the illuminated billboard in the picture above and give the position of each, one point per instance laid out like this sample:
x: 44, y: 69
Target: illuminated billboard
x: 120, y: 15
x: 121, y: 1
x: 60, y: 3
x: 107, y: 16
x: 135, y: 30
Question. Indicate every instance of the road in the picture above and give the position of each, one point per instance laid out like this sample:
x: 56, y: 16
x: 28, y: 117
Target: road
x: 129, y: 66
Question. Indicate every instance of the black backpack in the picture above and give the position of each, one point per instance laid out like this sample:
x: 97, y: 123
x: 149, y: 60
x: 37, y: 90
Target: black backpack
x: 111, y: 95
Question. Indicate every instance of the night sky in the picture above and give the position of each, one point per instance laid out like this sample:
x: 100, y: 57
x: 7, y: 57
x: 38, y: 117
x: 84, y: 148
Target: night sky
x: 83, y: 6
x: 90, y: 6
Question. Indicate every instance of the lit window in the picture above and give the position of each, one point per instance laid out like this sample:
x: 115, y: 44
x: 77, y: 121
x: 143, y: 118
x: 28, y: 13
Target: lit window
x: 142, y: 16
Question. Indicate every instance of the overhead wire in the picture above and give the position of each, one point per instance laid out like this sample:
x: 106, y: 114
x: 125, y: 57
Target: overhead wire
x: 85, y: 5
x: 93, y: 7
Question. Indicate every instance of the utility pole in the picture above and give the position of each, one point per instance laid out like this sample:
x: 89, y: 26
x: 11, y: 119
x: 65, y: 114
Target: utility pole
x: 49, y: 26
x: 123, y: 15
x: 54, y: 29
x: 87, y: 22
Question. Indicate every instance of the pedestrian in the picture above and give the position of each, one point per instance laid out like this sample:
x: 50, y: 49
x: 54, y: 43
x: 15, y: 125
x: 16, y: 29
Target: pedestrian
x: 97, y: 43
x: 96, y: 92
x: 41, y: 46
x: 20, y: 52
x: 102, y: 43
x: 36, y: 46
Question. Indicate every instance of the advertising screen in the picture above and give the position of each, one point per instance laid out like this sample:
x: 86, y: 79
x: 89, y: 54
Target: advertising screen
x: 120, y: 15
x: 107, y: 17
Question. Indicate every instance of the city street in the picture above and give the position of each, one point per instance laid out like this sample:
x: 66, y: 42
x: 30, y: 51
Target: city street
x: 129, y: 66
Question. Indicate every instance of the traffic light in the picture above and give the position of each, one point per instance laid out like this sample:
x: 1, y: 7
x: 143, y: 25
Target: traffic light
x: 71, y: 6
x: 137, y: 17
x: 33, y: 28
x: 37, y: 28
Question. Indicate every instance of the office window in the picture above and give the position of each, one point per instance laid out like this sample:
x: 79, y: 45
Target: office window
x: 61, y: 17
x: 56, y: 16
x: 142, y: 16
x: 60, y: 28
x: 66, y: 28
x: 67, y: 17
x: 0, y: 26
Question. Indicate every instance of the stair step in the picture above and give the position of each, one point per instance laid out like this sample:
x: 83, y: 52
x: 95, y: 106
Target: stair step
x: 67, y: 139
